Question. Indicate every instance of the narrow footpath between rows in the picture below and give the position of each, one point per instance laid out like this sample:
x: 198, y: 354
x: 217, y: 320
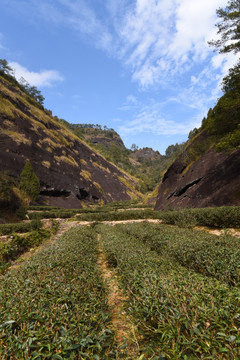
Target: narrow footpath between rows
x: 63, y: 227
x: 124, y: 330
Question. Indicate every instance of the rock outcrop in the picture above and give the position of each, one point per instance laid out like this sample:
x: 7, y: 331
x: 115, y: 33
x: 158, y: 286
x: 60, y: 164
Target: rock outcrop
x: 211, y: 180
x: 146, y: 154
x: 70, y: 172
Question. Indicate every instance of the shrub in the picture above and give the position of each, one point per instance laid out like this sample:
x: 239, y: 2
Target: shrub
x: 17, y: 245
x: 217, y: 217
x: 21, y: 212
x: 29, y: 182
x: 179, y: 314
x: 55, y: 307
x: 7, y: 229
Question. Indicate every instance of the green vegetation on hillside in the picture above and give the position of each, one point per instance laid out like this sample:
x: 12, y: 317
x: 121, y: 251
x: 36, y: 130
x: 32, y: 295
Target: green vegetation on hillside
x: 34, y: 95
x: 108, y: 143
x: 221, y: 128
x: 15, y: 197
x: 13, y: 201
x: 29, y: 182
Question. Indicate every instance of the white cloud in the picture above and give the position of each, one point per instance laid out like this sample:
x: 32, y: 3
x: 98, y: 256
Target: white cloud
x: 156, y: 39
x: 161, y: 38
x: 131, y: 99
x: 78, y: 16
x: 150, y: 120
x: 42, y: 78
x: 130, y: 103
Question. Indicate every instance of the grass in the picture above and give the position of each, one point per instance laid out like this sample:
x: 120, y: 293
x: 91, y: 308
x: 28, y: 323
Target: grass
x: 6, y: 107
x: 16, y: 136
x: 67, y: 159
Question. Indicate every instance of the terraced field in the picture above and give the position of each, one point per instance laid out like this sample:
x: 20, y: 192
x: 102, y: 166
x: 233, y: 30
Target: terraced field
x: 129, y: 291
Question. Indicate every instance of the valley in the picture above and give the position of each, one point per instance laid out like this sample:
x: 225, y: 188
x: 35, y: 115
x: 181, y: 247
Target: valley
x: 109, y: 252
x: 121, y: 289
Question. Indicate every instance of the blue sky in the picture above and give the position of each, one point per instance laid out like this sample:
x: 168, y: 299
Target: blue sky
x: 142, y: 67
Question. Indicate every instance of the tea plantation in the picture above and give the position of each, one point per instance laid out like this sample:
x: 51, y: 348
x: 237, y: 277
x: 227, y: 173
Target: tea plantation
x: 181, y: 290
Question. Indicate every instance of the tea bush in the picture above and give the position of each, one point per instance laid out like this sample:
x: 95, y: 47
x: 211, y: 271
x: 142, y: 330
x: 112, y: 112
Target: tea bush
x: 17, y: 245
x: 53, y: 214
x: 54, y: 306
x: 115, y: 216
x: 179, y: 314
x: 6, y: 229
x: 220, y: 217
x: 43, y: 208
x: 204, y: 253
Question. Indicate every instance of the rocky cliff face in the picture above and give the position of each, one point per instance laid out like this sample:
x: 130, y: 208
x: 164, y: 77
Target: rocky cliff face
x: 211, y: 180
x: 146, y: 154
x: 207, y: 173
x: 70, y: 172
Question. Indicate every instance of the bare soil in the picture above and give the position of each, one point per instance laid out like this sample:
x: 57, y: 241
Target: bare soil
x: 219, y: 232
x: 124, y: 329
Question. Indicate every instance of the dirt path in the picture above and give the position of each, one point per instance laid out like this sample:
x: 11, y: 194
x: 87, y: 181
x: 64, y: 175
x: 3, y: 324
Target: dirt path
x: 115, y: 222
x: 63, y: 227
x: 219, y: 232
x: 121, y: 325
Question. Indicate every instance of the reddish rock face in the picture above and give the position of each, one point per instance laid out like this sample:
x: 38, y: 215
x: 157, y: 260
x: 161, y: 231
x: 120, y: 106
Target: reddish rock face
x: 146, y: 153
x: 69, y: 171
x: 212, y: 180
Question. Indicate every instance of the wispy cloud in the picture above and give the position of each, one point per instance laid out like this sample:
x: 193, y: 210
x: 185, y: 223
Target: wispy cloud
x: 2, y: 47
x: 160, y: 39
x: 150, y: 119
x: 42, y: 78
x: 130, y: 103
x: 161, y: 42
x: 156, y: 39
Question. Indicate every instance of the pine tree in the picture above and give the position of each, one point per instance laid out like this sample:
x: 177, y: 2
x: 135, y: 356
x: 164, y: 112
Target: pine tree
x: 228, y: 28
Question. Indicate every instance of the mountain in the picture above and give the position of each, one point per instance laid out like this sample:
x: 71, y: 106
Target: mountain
x: 146, y: 154
x: 95, y: 135
x: 207, y: 173
x: 69, y: 170
x: 145, y: 164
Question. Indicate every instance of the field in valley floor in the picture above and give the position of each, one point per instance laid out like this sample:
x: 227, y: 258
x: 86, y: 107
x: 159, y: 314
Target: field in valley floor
x: 130, y: 291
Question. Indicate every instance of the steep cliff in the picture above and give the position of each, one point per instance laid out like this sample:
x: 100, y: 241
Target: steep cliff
x: 69, y: 171
x: 207, y: 173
